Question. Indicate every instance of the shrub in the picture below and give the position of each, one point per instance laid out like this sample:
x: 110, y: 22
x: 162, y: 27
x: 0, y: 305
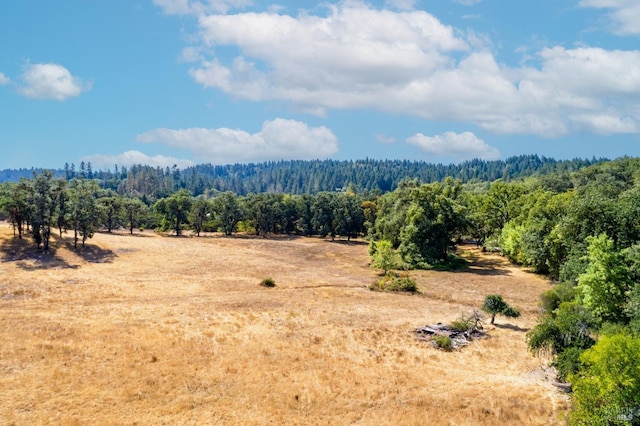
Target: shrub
x: 468, y: 323
x: 443, y: 342
x: 606, y: 390
x: 268, y: 282
x: 463, y: 324
x: 568, y: 362
x: 402, y: 284
x: 395, y: 284
x: 551, y: 299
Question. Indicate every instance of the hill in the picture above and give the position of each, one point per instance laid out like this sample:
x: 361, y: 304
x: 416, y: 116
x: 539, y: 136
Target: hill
x: 306, y: 177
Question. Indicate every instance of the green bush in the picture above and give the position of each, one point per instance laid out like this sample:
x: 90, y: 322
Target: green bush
x: 268, y: 282
x: 606, y: 390
x: 402, y: 284
x: 462, y: 324
x: 551, y: 299
x: 395, y: 284
x: 568, y: 362
x: 443, y: 342
x: 467, y: 323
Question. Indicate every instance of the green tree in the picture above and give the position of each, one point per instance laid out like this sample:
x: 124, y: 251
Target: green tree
x: 228, y: 210
x: 135, y: 210
x: 383, y: 256
x: 511, y: 242
x: 14, y: 201
x: 349, y: 215
x: 200, y: 213
x: 603, y: 287
x: 606, y: 391
x: 289, y: 214
x: 432, y: 224
x: 494, y: 304
x: 62, y: 210
x: 174, y: 209
x: 501, y: 204
x: 111, y: 205
x: 392, y: 212
x: 304, y: 214
x: 262, y: 211
x: 44, y: 196
x: 84, y: 212
x: 323, y: 209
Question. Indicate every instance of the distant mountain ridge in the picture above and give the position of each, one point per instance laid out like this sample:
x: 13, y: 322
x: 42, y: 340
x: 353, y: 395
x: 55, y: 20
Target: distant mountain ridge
x: 303, y: 176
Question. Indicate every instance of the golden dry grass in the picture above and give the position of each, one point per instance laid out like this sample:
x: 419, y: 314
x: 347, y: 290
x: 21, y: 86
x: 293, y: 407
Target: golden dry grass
x: 152, y: 330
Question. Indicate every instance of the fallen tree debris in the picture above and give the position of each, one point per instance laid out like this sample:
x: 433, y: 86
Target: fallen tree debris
x: 452, y: 336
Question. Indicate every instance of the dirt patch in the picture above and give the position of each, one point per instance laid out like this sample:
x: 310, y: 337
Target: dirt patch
x: 177, y: 330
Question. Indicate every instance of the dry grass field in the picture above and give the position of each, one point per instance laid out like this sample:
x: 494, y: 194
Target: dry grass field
x: 152, y: 330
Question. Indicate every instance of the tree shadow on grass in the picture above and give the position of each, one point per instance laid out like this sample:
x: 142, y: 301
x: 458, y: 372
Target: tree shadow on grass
x: 29, y: 257
x: 511, y: 327
x: 484, y: 266
x: 349, y: 242
x: 92, y: 253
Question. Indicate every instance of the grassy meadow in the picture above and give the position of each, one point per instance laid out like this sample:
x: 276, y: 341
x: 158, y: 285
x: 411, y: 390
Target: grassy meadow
x: 150, y: 329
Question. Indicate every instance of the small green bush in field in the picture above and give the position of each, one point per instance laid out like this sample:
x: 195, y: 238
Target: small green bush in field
x: 402, y: 284
x: 443, y: 342
x: 463, y: 324
x: 395, y: 284
x: 268, y: 282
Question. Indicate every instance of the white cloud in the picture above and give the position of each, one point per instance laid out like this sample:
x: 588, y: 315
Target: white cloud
x: 194, y: 7
x: 278, y: 139
x: 4, y: 79
x: 357, y: 56
x: 50, y: 81
x: 462, y: 146
x: 343, y: 60
x: 130, y: 158
x: 625, y: 14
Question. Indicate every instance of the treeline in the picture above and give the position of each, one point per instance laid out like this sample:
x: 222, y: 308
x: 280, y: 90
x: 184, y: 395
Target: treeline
x: 302, y: 177
x: 34, y: 207
x: 583, y: 229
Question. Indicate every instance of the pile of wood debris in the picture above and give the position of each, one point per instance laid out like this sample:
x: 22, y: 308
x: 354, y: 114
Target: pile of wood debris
x: 459, y: 337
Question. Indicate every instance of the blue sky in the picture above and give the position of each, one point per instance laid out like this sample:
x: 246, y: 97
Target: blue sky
x: 185, y: 82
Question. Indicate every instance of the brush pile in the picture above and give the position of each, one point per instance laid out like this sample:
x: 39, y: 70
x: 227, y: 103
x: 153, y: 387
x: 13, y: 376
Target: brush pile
x: 459, y: 333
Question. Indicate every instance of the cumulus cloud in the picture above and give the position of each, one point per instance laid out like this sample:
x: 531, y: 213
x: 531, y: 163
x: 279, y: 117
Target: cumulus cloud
x: 624, y: 15
x: 343, y: 60
x: 130, y: 158
x: 195, y: 7
x: 461, y: 146
x: 4, y: 79
x: 50, y: 81
x: 356, y: 56
x: 278, y: 139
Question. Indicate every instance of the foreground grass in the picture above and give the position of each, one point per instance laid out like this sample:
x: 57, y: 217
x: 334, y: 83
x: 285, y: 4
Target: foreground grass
x: 152, y: 330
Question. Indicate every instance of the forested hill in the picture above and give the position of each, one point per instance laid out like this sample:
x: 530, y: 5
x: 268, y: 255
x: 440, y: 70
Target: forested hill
x: 306, y: 177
